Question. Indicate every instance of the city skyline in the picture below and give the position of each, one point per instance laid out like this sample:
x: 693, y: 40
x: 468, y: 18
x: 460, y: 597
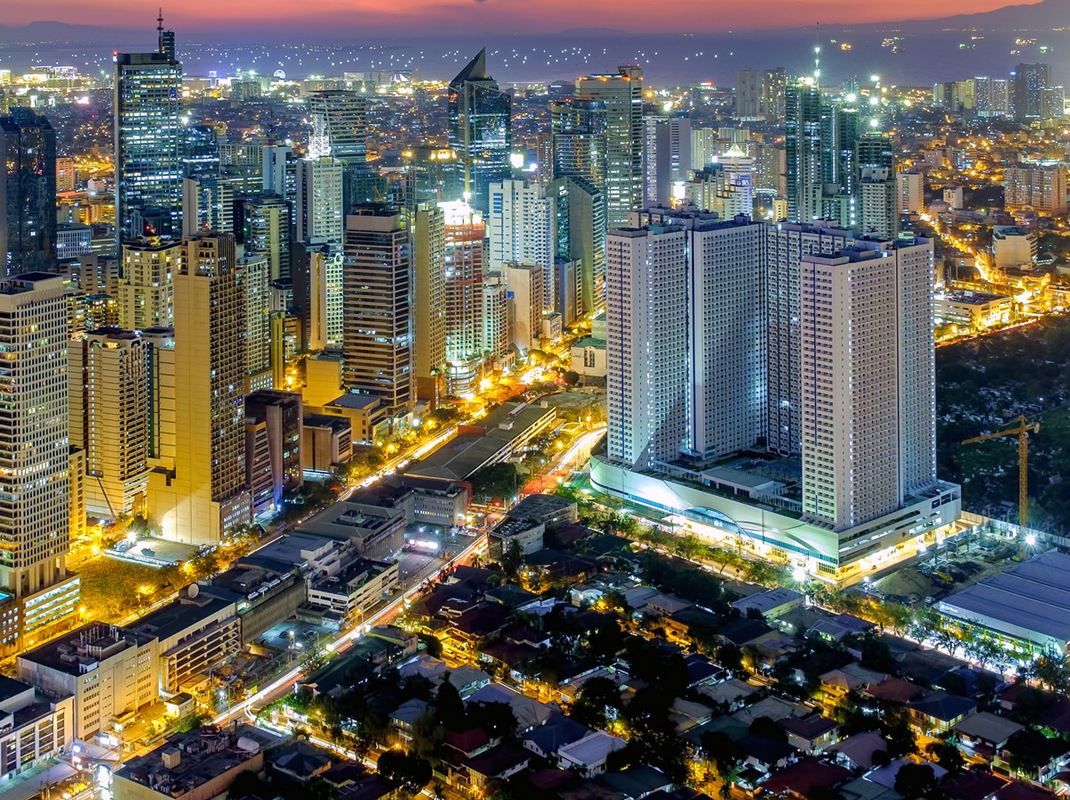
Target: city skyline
x: 494, y: 16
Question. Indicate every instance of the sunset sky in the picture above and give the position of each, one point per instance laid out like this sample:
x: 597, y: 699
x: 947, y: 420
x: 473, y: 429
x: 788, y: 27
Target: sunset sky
x: 430, y: 16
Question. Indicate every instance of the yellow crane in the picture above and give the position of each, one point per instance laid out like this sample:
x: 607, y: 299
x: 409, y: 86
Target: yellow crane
x: 1022, y: 431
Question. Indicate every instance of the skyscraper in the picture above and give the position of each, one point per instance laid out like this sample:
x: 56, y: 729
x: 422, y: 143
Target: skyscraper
x: 480, y: 124
x: 578, y: 140
x: 647, y: 279
x: 109, y: 419
x: 320, y: 196
x: 803, y: 142
x: 867, y: 369
x: 147, y: 288
x: 462, y: 294
x: 622, y: 97
x: 377, y: 337
x: 27, y: 193
x: 1029, y: 83
x: 35, y: 476
x: 339, y: 120
x: 428, y: 300
x: 199, y: 489
x: 579, y: 230
x: 666, y: 157
x: 266, y: 230
x: 877, y: 205
x: 148, y: 142
x: 520, y: 230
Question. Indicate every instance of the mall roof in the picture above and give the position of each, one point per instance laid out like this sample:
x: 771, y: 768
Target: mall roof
x: 1030, y: 601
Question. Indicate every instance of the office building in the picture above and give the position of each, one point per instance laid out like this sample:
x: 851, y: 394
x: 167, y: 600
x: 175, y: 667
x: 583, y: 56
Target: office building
x: 479, y: 127
x: 578, y: 140
x: 198, y: 490
x: 911, y: 192
x: 579, y: 229
x: 463, y: 259
x: 254, y: 278
x: 107, y: 671
x: 147, y: 288
x: 207, y: 205
x: 266, y: 230
x: 622, y: 97
x: 27, y: 193
x: 37, y: 728
x: 281, y: 415
x: 1013, y: 247
x: 428, y: 300
x: 37, y: 596
x: 760, y: 94
x: 666, y: 158
x: 1038, y: 187
x: 524, y: 283
x: 520, y: 229
x: 109, y: 418
x: 317, y: 290
x: 496, y: 331
x: 279, y: 171
x: 339, y: 126
x: 431, y: 175
x: 1029, y: 83
x: 320, y: 196
x: 377, y: 334
x: 148, y: 143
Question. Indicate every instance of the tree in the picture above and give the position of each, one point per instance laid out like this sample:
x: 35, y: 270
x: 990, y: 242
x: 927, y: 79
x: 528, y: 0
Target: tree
x: 449, y: 708
x: 411, y: 771
x: 914, y: 780
x: 512, y: 559
x: 946, y: 755
x: 767, y: 729
x: 726, y: 755
x: 597, y: 699
x: 495, y: 482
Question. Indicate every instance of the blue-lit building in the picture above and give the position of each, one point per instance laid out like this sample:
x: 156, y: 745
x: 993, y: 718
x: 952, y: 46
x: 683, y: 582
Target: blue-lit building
x: 479, y: 131
x: 148, y: 142
x: 27, y: 192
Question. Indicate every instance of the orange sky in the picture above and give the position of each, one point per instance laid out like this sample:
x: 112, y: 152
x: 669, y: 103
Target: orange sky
x: 429, y: 16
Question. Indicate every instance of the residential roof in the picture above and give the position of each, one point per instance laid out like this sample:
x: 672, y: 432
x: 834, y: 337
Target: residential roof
x: 1031, y: 600
x: 972, y: 784
x: 809, y: 727
x: 529, y: 712
x: 728, y: 692
x: 592, y: 749
x: 943, y: 706
x: 301, y: 759
x: 765, y: 602
x: 988, y: 727
x: 895, y: 690
x: 638, y: 781
x: 557, y: 731
x: 498, y: 760
x: 860, y: 748
x: 410, y: 711
x: 765, y: 751
x: 805, y: 775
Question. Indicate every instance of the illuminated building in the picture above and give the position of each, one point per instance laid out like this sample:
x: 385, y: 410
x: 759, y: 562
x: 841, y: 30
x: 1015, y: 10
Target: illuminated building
x: 109, y: 418
x: 339, y: 119
x: 254, y: 275
x: 520, y: 229
x: 148, y: 142
x: 463, y: 261
x: 27, y: 193
x: 1027, y: 97
x: 428, y: 300
x: 37, y: 596
x: 319, y: 204
x: 147, y: 290
x: 431, y: 173
x: 579, y: 230
x: 805, y: 175
x: 479, y: 126
x: 198, y: 490
x: 1040, y: 187
x: 266, y: 230
x: 666, y: 158
x: 207, y: 205
x: 376, y: 315
x: 622, y: 97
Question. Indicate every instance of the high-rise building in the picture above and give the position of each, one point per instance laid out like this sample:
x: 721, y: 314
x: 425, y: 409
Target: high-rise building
x: 805, y: 173
x: 147, y: 286
x: 38, y: 594
x: 666, y: 158
x: 377, y: 334
x: 27, y: 193
x: 911, y: 192
x: 622, y: 97
x: 748, y: 94
x: 200, y: 151
x: 579, y: 229
x: 317, y: 289
x: 1029, y: 82
x: 109, y: 419
x: 462, y: 293
x: 198, y: 491
x: 148, y: 143
x: 1040, y: 187
x: 877, y: 192
x: 428, y: 300
x: 339, y: 126
x: 254, y: 275
x: 868, y: 381
x: 320, y: 199
x: 496, y: 341
x: 520, y: 229
x: 431, y: 175
x: 266, y: 230
x: 279, y: 171
x: 647, y: 279
x: 992, y: 97
x: 578, y: 140
x: 524, y: 283
x: 480, y: 125
x: 207, y: 205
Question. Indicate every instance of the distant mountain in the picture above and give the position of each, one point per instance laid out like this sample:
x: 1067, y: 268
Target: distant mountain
x: 1044, y: 15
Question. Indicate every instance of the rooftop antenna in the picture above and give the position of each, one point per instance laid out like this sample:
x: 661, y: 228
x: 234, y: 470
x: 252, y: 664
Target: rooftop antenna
x: 817, y: 57
x: 159, y: 31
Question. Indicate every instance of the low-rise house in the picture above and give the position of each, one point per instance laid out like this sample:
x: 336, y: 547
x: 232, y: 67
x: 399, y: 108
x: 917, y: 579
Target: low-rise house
x: 805, y: 776
x: 857, y: 752
x: 984, y: 733
x: 771, y: 605
x: 406, y: 715
x: 850, y: 678
x: 766, y: 755
x: 637, y: 783
x: 939, y: 712
x: 811, y: 734
x: 973, y: 784
x: 301, y: 761
x: 558, y: 731
x: 500, y: 762
x: 839, y: 627
x: 731, y: 694
x: 529, y: 713
x: 1033, y: 756
x: 588, y: 755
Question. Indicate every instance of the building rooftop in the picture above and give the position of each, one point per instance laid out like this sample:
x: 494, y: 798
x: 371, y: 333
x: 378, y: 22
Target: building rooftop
x: 764, y: 602
x: 538, y: 506
x: 179, y: 615
x: 81, y: 650
x: 1030, y: 600
x: 354, y: 521
x: 188, y: 760
x: 356, y: 401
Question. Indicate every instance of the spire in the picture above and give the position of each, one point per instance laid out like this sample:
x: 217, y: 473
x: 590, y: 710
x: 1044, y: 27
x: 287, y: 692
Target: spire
x: 159, y: 30
x: 475, y: 71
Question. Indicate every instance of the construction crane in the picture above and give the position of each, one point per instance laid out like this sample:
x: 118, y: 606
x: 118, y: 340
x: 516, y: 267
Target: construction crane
x: 1022, y: 431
